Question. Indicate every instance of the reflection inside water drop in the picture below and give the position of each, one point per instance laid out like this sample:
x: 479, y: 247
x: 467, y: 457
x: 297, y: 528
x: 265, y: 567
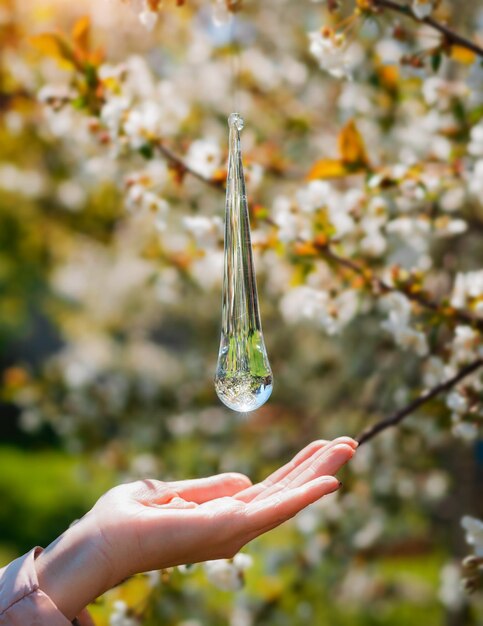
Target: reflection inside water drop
x: 244, y: 392
x: 243, y: 379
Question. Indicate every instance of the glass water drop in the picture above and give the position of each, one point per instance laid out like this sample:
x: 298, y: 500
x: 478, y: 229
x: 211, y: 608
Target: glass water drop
x: 243, y: 379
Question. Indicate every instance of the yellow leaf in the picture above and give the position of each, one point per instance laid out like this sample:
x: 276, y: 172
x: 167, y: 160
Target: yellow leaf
x: 134, y: 591
x: 305, y: 248
x: 388, y: 75
x: 327, y: 168
x: 54, y: 46
x: 462, y: 55
x: 81, y: 33
x: 96, y: 57
x: 351, y: 145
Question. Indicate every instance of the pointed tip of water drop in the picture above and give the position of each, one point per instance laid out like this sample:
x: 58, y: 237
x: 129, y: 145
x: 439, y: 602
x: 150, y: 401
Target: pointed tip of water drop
x: 236, y: 120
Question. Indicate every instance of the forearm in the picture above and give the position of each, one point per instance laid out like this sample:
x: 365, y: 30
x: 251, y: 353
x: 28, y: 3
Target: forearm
x: 74, y: 569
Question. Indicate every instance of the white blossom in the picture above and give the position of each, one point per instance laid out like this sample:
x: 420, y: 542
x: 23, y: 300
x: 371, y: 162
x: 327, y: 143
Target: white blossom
x: 330, y: 50
x: 112, y: 113
x: 409, y: 227
x: 445, y: 227
x: 204, y: 156
x: 154, y: 576
x: 436, y: 485
x: 31, y: 421
x: 468, y: 290
x: 143, y: 124
x: 389, y: 50
x: 208, y: 270
x: 56, y: 95
x: 374, y: 242
x: 143, y: 465
x: 290, y: 223
x: 315, y: 195
x: 465, y: 344
x: 366, y: 536
x: 422, y: 8
x: 332, y: 313
x: 120, y: 617
x: 467, y: 431
x: 457, y: 402
x: 474, y: 82
x: 474, y: 533
x: 410, y: 339
x: 26, y: 182
x: 207, y: 231
x: 139, y: 198
x: 475, y: 145
x: 148, y: 17
x: 450, y: 589
x: 452, y: 199
x: 228, y: 574
x: 434, y: 371
x: 109, y: 71
x: 220, y: 12
x: 318, y: 195
x: 399, y: 309
x: 475, y: 182
x: 304, y: 302
x: 71, y: 194
x: 432, y: 89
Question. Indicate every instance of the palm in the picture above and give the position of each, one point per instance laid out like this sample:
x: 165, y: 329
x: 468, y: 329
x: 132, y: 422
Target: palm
x: 196, y: 520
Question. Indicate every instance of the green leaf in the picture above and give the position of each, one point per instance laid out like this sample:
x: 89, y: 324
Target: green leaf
x: 436, y: 59
x: 147, y: 151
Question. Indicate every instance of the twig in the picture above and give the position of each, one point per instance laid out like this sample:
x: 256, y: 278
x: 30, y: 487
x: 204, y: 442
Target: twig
x: 398, y: 416
x: 450, y: 36
x: 181, y: 165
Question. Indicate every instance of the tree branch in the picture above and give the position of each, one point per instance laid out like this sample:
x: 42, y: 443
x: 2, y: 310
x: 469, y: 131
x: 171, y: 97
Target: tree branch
x: 368, y: 276
x: 326, y: 251
x: 399, y: 416
x: 449, y: 35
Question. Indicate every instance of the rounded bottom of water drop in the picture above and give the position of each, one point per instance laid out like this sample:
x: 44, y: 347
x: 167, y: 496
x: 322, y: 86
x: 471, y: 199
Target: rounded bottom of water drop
x: 244, y: 392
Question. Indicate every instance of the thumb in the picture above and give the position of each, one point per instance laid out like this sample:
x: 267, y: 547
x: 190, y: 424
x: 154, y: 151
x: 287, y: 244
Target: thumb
x: 201, y: 490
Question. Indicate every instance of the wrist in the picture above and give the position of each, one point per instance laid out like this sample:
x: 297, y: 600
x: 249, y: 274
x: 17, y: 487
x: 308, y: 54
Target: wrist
x: 75, y: 569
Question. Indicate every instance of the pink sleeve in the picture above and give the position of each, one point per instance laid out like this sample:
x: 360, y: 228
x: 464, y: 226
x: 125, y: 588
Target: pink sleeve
x: 22, y: 603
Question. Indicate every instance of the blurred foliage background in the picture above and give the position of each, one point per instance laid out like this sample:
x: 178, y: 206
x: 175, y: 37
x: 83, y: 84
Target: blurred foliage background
x: 110, y: 308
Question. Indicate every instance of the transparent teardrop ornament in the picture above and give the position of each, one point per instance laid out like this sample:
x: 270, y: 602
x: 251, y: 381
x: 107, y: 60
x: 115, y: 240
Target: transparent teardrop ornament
x: 243, y: 379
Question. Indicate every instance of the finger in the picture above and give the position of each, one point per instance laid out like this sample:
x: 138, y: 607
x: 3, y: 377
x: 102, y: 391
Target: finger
x: 325, y: 463
x: 281, y: 506
x: 248, y: 494
x: 303, y: 458
x: 315, y: 461
x: 203, y: 489
x: 177, y: 503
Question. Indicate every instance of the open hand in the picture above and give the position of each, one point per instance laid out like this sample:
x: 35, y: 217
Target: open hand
x: 150, y: 524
